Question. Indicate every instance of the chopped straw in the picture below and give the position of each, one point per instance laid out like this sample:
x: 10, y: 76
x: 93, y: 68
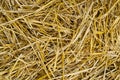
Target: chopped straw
x: 59, y: 39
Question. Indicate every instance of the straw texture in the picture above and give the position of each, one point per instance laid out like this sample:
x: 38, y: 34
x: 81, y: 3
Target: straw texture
x: 59, y: 39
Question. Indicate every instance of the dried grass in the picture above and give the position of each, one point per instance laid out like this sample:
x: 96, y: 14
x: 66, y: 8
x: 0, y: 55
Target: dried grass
x: 59, y: 39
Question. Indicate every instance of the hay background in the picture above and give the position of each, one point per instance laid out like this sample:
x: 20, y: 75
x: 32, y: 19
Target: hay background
x: 59, y: 39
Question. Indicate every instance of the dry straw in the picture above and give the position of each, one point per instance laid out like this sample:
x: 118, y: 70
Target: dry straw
x: 59, y: 39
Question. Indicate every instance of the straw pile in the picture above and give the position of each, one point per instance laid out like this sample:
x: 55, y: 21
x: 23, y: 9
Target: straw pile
x: 59, y: 39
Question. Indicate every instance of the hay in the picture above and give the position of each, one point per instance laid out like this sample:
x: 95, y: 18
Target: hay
x: 59, y: 39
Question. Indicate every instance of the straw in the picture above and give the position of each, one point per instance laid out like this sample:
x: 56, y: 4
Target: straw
x: 59, y: 39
